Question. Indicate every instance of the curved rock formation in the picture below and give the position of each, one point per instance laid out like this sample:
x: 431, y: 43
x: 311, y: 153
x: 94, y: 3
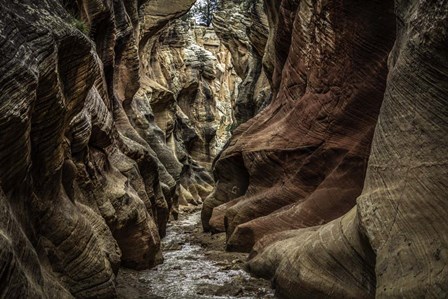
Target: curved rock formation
x: 292, y: 175
x: 243, y: 28
x: 186, y: 98
x: 394, y: 243
x: 195, y: 69
x: 83, y: 191
x: 112, y: 113
x: 304, y: 157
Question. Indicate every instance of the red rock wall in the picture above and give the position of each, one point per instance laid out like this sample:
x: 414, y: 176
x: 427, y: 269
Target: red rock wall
x: 394, y: 242
x: 305, y: 155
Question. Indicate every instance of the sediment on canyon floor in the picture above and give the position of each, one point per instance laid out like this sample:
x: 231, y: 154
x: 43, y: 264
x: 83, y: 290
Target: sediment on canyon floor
x: 312, y: 135
x: 197, y: 260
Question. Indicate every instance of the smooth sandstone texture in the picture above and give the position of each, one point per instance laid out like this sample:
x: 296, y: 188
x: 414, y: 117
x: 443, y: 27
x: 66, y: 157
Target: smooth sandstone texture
x: 187, y: 95
x: 243, y: 28
x: 84, y: 191
x: 302, y: 160
x: 394, y: 243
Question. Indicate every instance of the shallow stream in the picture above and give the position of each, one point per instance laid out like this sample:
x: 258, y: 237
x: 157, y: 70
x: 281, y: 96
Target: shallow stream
x: 197, y: 267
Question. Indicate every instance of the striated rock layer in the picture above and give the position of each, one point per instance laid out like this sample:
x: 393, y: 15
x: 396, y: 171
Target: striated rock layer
x: 301, y: 161
x: 187, y: 95
x: 295, y: 178
x: 83, y: 190
x: 394, y: 243
x: 243, y: 28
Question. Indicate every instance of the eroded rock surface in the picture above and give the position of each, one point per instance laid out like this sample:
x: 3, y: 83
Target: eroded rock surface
x: 243, y: 28
x: 301, y: 161
x: 187, y: 95
x: 84, y: 190
x: 331, y: 215
x: 111, y: 114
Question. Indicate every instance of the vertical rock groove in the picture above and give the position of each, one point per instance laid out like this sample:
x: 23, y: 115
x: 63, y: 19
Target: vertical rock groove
x: 325, y: 214
x: 83, y: 193
x: 313, y: 134
x: 329, y: 76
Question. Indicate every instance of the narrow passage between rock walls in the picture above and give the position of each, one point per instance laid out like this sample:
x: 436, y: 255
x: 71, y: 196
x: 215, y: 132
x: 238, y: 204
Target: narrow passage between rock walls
x: 195, y: 266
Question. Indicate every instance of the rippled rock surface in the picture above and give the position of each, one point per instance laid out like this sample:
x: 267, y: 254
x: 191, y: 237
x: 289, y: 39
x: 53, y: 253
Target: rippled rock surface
x: 111, y: 114
x: 82, y: 191
x: 187, y: 95
x: 341, y: 181
x: 302, y: 160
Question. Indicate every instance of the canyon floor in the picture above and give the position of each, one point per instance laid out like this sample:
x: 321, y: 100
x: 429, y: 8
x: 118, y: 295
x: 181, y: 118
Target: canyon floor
x: 196, y: 266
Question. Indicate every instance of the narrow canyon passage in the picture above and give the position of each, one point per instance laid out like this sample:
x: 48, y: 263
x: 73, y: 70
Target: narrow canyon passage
x: 195, y: 265
x: 177, y: 149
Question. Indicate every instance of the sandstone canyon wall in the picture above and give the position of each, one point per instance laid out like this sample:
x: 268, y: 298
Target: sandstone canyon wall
x: 304, y: 156
x: 191, y: 85
x: 340, y: 183
x: 112, y: 112
x: 84, y: 188
x: 243, y: 28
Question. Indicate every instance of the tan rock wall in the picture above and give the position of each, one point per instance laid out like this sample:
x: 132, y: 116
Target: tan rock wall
x: 189, y: 90
x: 84, y: 192
x: 243, y: 28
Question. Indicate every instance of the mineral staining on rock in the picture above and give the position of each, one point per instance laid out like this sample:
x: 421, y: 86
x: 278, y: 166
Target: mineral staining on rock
x: 334, y: 178
x: 304, y: 156
x: 333, y: 196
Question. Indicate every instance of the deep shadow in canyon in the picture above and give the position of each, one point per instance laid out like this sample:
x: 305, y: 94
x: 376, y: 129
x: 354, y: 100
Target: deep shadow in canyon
x: 309, y: 137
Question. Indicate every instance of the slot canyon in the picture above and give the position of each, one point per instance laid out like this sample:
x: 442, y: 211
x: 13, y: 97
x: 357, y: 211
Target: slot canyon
x: 171, y: 149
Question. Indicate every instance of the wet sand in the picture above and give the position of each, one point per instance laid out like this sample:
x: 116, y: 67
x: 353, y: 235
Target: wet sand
x: 196, y: 266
